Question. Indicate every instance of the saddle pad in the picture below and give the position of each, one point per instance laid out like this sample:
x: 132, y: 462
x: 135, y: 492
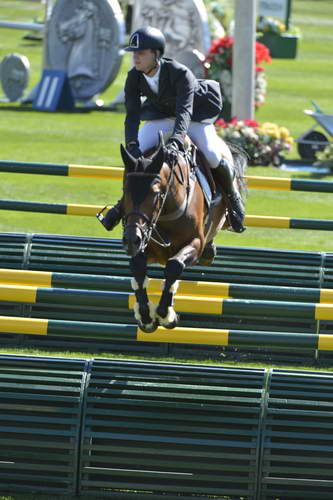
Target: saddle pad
x: 204, y: 186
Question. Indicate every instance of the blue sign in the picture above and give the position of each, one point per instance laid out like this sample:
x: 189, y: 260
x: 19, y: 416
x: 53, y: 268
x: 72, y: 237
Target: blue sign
x: 54, y: 92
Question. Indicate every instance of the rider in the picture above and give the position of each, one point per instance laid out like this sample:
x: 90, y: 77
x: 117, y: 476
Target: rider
x: 177, y: 103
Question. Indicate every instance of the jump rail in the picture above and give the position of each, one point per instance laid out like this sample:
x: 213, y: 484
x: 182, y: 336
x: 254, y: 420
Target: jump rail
x: 198, y: 288
x: 116, y: 173
x: 91, y: 210
x: 186, y: 304
x: 186, y: 335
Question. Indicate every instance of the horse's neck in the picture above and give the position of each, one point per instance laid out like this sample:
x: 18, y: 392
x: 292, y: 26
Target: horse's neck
x: 179, y: 186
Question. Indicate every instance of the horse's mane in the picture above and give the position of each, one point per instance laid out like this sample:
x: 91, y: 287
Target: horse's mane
x: 240, y: 158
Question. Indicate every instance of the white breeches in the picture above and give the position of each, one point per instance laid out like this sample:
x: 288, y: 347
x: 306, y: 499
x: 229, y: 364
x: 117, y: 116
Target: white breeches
x: 203, y: 135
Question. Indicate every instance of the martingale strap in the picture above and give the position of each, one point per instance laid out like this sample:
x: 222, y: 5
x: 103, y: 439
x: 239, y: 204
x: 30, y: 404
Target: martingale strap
x: 182, y: 209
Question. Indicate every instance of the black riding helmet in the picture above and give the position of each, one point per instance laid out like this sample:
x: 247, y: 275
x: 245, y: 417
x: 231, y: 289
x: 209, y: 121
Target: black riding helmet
x: 146, y: 38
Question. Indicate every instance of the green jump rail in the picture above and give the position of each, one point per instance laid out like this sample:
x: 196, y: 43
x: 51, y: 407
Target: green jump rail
x: 179, y: 335
x: 153, y: 430
x: 92, y: 210
x: 102, y: 172
x: 195, y: 288
x: 188, y: 304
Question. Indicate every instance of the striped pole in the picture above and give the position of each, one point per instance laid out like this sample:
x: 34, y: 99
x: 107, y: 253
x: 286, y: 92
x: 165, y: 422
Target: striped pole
x: 192, y: 288
x: 20, y: 167
x: 186, y: 304
x: 91, y: 210
x: 287, y: 184
x: 112, y: 331
x: 72, y: 170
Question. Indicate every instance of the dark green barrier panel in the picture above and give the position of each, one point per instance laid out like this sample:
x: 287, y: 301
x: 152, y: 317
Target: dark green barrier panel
x: 233, y: 264
x: 148, y: 430
x: 73, y: 254
x: 40, y: 410
x: 297, y: 447
x: 163, y: 430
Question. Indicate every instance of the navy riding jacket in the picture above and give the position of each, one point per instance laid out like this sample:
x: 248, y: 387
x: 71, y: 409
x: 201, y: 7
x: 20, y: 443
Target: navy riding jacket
x: 180, y: 95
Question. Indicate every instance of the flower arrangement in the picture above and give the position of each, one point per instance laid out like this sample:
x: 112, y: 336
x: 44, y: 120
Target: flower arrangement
x: 264, y: 144
x: 272, y: 25
x: 269, y: 24
x: 218, y: 64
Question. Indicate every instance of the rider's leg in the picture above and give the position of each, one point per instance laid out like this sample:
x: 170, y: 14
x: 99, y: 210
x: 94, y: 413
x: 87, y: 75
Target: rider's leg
x: 148, y: 138
x: 220, y: 159
x: 148, y: 132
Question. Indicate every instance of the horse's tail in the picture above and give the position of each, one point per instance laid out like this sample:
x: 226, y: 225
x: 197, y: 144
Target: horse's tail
x: 240, y: 163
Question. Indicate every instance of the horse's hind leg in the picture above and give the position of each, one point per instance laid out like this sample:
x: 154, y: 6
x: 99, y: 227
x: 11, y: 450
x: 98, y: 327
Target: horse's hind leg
x: 165, y: 312
x: 143, y: 309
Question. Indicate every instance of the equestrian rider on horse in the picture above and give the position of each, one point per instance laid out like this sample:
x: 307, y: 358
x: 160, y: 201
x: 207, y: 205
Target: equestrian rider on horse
x: 179, y: 104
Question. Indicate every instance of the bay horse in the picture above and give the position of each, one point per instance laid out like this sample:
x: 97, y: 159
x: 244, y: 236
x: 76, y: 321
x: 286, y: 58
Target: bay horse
x: 167, y: 221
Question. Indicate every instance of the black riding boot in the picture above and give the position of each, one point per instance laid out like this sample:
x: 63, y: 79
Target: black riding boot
x: 224, y: 174
x: 112, y: 217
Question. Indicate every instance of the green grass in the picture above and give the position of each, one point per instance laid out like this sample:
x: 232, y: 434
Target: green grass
x: 94, y: 138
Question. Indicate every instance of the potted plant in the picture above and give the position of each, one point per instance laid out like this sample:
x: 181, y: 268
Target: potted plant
x: 282, y: 42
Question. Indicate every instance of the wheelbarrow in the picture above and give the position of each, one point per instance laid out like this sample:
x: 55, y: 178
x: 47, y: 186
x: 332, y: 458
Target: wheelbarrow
x: 311, y: 141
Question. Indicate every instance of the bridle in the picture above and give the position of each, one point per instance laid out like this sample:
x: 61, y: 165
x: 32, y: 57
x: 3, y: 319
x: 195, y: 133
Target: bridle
x: 149, y: 225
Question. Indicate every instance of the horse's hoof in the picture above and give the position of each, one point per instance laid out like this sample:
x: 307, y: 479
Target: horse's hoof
x: 149, y: 327
x: 208, y: 255
x: 173, y: 324
x: 169, y: 324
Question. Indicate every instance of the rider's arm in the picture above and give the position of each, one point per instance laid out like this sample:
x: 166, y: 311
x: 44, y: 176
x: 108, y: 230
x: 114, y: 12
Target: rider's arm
x: 133, y: 107
x: 185, y: 85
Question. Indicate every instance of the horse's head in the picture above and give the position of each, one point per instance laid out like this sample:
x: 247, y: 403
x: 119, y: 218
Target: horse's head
x: 143, y: 198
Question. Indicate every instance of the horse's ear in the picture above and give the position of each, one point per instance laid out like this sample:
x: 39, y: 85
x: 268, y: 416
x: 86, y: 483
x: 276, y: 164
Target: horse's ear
x: 159, y: 155
x: 128, y: 160
x: 157, y: 159
x: 160, y: 144
x: 160, y: 139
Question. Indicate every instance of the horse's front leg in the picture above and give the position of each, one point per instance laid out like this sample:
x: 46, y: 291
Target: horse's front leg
x: 165, y: 313
x: 144, y: 311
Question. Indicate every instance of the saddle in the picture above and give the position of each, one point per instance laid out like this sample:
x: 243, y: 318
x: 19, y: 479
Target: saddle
x: 199, y: 168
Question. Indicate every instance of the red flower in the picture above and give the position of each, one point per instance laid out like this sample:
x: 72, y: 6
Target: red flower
x: 251, y: 123
x: 221, y: 123
x: 227, y: 41
x: 223, y: 46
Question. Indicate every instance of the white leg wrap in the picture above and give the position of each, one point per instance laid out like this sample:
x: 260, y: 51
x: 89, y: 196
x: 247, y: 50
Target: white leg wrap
x: 152, y: 312
x: 169, y: 318
x: 173, y: 288
x: 135, y: 284
x: 137, y: 314
x: 152, y: 309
